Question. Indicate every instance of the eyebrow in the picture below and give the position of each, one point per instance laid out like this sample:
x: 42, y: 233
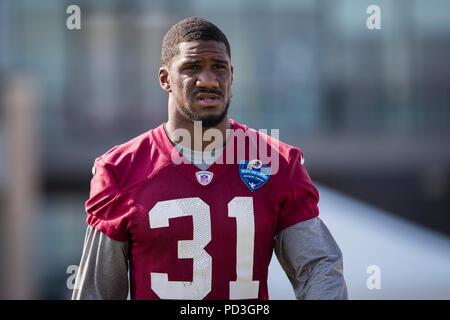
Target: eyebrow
x: 220, y: 61
x: 190, y: 61
x: 195, y: 61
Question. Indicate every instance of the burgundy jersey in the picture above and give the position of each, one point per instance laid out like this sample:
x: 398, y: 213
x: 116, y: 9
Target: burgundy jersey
x: 197, y: 234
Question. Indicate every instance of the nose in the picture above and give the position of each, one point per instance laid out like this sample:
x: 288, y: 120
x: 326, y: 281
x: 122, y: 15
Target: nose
x: 207, y: 79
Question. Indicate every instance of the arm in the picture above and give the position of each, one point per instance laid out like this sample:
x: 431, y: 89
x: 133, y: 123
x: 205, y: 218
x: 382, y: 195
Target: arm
x: 103, y: 270
x: 312, y: 261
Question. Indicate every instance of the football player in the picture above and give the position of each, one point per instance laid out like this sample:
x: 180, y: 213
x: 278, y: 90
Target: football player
x: 189, y: 216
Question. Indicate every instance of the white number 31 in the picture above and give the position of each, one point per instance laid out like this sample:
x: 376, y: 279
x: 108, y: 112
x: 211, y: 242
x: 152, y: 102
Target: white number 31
x: 240, y: 208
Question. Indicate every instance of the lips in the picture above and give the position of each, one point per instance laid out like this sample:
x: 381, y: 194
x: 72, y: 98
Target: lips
x: 204, y: 95
x: 207, y: 99
x: 209, y: 102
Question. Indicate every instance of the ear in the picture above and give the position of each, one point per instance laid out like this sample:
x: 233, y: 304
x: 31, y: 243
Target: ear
x: 232, y: 73
x: 164, y: 81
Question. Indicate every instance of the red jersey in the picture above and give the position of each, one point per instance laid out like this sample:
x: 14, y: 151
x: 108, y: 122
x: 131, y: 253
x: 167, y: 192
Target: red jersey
x: 197, y: 234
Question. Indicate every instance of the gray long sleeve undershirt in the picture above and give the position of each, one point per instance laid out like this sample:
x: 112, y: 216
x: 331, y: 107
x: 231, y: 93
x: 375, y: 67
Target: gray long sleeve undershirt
x: 312, y: 260
x: 306, y: 251
x: 103, y: 270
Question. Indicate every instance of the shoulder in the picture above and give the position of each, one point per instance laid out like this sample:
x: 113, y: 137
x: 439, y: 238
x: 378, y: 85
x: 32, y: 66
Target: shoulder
x: 133, y: 160
x: 124, y: 152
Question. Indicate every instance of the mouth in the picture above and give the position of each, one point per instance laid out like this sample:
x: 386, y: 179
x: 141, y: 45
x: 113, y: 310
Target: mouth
x: 208, y: 99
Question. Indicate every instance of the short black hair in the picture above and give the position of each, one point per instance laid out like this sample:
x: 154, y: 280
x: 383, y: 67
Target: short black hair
x: 190, y: 29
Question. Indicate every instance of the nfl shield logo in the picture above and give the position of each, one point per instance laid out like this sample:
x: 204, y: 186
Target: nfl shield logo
x: 204, y: 177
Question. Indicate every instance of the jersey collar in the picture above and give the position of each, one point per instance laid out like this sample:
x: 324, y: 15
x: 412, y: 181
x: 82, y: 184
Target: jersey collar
x: 188, y: 169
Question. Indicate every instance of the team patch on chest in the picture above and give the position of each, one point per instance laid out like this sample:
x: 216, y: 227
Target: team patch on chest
x: 254, y: 173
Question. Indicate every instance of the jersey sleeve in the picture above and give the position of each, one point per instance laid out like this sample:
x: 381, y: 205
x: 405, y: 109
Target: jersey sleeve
x: 107, y: 208
x: 302, y: 199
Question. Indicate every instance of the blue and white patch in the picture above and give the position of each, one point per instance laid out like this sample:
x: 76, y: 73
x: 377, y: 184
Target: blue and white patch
x: 204, y: 177
x: 254, y: 173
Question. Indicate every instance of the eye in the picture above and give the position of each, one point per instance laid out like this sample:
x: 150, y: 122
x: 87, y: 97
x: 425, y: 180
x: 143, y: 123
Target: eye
x: 192, y: 67
x: 219, y: 66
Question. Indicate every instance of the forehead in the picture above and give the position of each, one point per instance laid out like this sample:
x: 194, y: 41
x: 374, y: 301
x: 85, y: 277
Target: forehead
x: 202, y: 49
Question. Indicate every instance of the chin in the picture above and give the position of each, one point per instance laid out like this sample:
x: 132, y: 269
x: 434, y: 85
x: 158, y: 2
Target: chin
x: 211, y: 121
x: 209, y: 118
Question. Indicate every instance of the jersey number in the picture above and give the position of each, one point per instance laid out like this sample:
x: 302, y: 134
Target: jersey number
x: 240, y: 208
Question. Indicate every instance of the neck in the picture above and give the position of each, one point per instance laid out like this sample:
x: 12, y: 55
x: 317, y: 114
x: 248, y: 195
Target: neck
x: 195, y: 137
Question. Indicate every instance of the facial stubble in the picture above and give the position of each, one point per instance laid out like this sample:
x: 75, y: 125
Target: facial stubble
x: 207, y: 121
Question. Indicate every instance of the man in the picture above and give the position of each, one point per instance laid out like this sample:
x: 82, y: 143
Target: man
x: 190, y: 210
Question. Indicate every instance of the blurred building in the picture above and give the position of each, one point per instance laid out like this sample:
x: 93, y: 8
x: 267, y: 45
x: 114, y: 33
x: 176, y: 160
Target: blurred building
x: 369, y: 108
